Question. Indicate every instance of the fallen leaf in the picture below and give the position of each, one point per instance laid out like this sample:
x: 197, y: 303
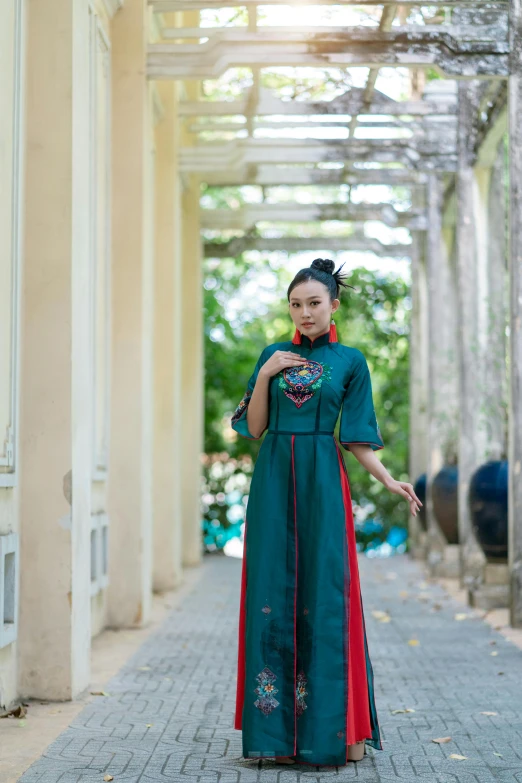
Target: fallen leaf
x: 440, y: 740
x: 461, y: 616
x: 498, y: 754
x: 500, y: 672
x: 406, y: 709
x: 495, y: 652
x: 437, y: 606
x: 489, y: 713
x: 413, y: 642
x: 100, y: 693
x: 16, y: 712
x: 149, y: 725
x: 457, y: 756
x: 108, y: 777
x: 383, y: 617
x: 144, y: 668
x: 404, y: 593
x: 21, y: 723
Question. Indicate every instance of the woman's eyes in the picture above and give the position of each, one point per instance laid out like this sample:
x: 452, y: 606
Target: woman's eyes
x: 296, y: 304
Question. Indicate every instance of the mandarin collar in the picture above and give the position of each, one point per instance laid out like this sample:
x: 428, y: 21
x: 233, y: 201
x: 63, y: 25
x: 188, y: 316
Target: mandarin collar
x: 321, y: 339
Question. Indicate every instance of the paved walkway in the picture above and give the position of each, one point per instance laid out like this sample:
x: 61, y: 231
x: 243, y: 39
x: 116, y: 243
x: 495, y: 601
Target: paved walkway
x: 168, y: 713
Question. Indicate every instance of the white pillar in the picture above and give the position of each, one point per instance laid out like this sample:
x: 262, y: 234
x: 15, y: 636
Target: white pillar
x: 167, y: 348
x: 515, y: 351
x: 419, y: 351
x: 192, y: 374
x: 56, y: 418
x: 442, y: 412
x: 472, y: 291
x: 130, y: 466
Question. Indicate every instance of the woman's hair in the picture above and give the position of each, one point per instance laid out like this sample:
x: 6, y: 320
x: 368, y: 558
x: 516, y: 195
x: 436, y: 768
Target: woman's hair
x: 322, y: 270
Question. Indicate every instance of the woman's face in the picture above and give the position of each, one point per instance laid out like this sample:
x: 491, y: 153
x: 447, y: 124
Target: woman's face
x: 311, y: 309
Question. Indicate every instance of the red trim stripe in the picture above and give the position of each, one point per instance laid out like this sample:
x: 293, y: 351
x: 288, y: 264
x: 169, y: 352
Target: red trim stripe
x: 358, y: 724
x: 295, y: 598
x: 241, y: 668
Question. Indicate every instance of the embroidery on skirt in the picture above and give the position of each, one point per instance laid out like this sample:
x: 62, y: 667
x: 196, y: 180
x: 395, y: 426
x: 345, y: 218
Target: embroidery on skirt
x: 266, y: 690
x: 241, y: 407
x: 300, y: 383
x: 301, y: 693
x: 266, y: 609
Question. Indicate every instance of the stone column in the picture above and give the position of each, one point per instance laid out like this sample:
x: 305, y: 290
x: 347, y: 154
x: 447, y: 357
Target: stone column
x: 418, y: 382
x: 56, y: 377
x: 167, y: 423
x: 492, y: 590
x: 193, y: 370
x: 442, y: 414
x: 515, y: 347
x: 472, y: 276
x: 130, y: 466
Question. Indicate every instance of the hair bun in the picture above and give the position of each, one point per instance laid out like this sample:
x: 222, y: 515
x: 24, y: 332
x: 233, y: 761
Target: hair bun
x: 324, y: 265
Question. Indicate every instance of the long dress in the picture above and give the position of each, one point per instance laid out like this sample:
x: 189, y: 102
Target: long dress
x: 304, y: 676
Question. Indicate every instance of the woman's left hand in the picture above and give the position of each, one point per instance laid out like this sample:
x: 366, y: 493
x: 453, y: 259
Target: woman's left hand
x: 407, y: 491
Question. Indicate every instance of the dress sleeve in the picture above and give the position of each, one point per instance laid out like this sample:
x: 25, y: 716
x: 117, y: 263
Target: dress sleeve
x: 239, y: 417
x: 358, y: 419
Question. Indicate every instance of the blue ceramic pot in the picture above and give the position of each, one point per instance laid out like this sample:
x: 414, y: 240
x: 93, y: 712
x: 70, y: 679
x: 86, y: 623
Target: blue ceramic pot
x: 488, y: 503
x: 444, y: 493
x: 420, y: 491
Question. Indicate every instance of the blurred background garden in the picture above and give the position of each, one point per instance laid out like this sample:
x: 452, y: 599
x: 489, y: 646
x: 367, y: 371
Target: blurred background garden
x: 246, y: 309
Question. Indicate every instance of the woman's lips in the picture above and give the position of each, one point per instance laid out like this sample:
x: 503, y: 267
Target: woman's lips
x: 308, y: 323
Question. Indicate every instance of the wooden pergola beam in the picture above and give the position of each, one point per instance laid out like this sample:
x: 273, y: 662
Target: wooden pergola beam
x: 268, y: 175
x: 246, y: 217
x: 166, y: 6
x: 213, y: 157
x: 360, y: 243
x: 346, y: 105
x: 343, y: 47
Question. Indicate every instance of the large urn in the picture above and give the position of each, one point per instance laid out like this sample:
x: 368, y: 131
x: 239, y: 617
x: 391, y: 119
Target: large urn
x: 488, y: 503
x: 444, y: 494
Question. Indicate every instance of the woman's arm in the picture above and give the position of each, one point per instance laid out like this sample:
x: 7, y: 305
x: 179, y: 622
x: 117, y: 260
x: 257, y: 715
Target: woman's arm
x: 258, y: 408
x: 369, y: 460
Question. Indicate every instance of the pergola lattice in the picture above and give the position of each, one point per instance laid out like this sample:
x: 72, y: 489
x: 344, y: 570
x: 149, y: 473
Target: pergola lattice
x: 430, y: 143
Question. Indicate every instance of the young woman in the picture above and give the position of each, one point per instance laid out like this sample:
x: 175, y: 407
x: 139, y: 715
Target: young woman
x: 305, y: 687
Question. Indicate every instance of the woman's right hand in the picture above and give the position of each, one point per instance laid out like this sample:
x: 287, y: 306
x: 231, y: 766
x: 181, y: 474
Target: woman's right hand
x: 279, y: 361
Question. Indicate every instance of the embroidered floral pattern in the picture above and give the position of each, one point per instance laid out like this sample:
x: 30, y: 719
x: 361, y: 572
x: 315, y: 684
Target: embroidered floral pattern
x: 300, y: 383
x: 241, y: 407
x: 266, y: 609
x: 301, y: 693
x: 340, y: 734
x: 266, y: 690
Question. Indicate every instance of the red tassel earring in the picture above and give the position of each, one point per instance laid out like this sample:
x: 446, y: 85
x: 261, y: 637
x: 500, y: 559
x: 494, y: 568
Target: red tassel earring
x: 296, y: 339
x: 333, y: 332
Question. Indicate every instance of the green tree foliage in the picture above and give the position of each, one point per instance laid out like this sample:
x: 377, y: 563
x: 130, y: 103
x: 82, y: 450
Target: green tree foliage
x: 374, y: 318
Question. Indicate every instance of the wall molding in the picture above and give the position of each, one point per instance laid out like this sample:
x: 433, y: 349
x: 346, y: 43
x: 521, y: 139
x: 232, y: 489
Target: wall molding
x: 9, y: 444
x: 100, y: 307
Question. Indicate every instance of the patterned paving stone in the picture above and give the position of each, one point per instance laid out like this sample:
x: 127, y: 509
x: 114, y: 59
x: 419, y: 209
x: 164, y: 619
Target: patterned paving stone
x: 169, y: 712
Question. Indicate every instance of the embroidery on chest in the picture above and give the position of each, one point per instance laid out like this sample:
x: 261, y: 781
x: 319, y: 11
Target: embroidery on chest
x: 300, y: 383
